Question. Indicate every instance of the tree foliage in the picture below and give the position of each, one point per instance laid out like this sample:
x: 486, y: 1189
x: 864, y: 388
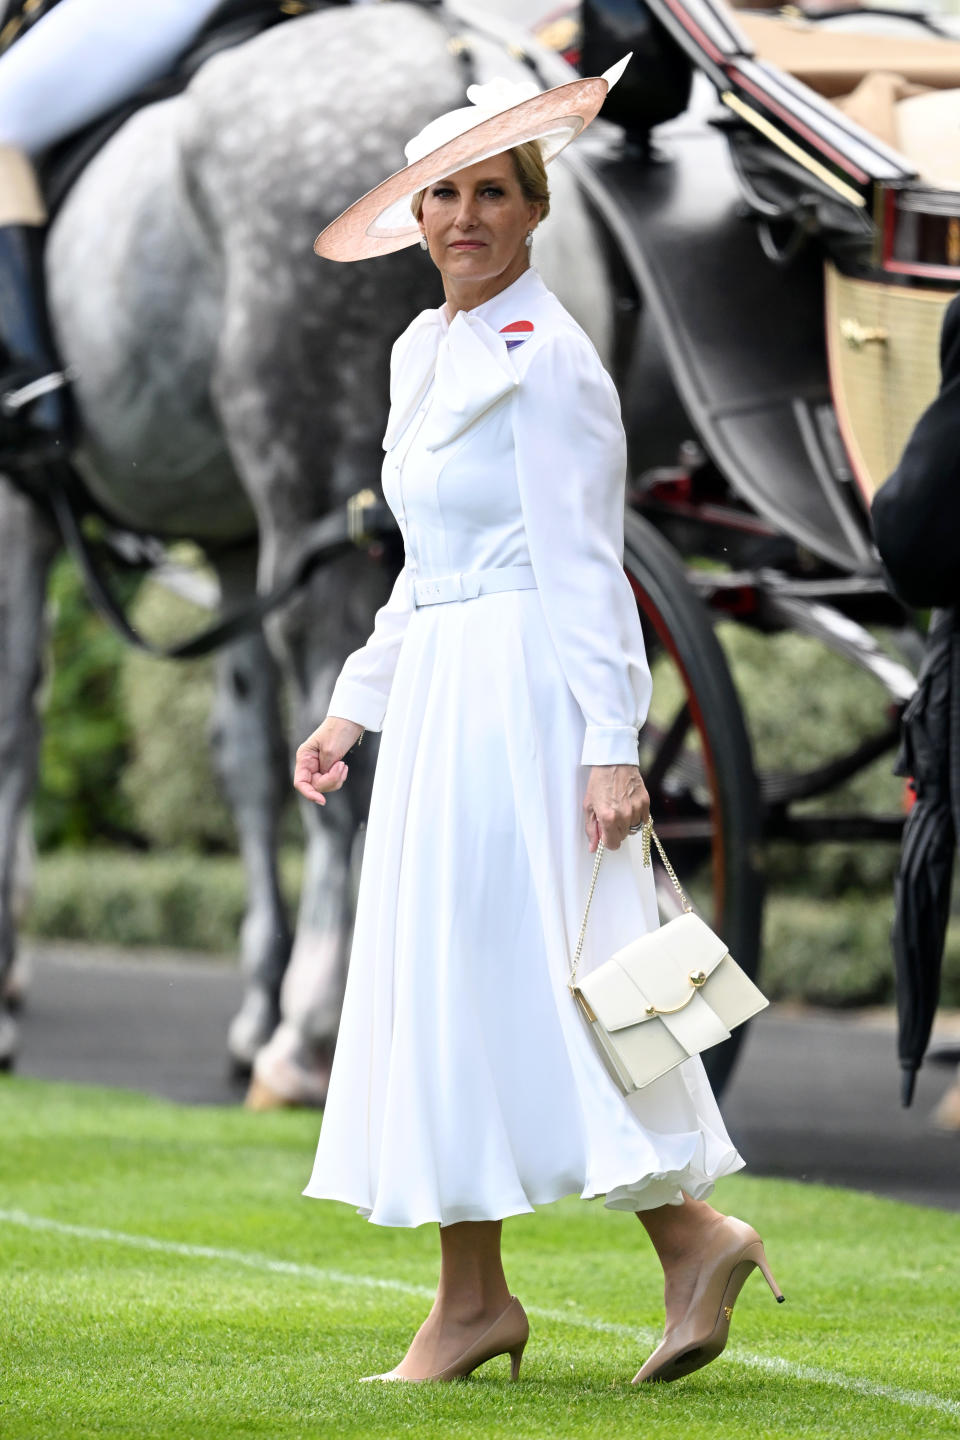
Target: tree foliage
x: 86, y: 740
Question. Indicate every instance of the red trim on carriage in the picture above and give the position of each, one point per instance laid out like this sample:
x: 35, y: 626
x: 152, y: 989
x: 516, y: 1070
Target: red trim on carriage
x: 692, y: 28
x: 921, y: 268
x: 811, y: 136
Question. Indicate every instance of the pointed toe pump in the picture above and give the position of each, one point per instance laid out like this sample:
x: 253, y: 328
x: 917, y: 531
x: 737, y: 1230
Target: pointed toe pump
x: 506, y: 1336
x: 702, y: 1333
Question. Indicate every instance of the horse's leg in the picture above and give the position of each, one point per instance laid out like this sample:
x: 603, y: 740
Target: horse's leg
x: 250, y: 756
x: 28, y: 543
x: 16, y: 982
x: 295, y: 408
x: 294, y: 1067
x: 310, y: 638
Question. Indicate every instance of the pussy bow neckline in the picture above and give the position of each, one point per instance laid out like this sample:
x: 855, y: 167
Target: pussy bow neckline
x: 467, y: 360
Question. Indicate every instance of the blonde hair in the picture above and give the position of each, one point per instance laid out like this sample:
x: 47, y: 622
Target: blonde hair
x: 531, y: 173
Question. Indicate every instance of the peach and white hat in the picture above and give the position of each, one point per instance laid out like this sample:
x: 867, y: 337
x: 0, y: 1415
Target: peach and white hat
x: 501, y: 114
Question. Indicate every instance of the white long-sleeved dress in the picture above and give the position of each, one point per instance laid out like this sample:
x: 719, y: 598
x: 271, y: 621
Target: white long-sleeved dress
x: 465, y: 1085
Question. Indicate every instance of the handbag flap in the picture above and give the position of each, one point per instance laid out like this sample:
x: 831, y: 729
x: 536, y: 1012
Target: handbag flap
x: 653, y: 970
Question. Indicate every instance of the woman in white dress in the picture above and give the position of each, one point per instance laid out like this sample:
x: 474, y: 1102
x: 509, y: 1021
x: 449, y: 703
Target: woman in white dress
x: 507, y: 675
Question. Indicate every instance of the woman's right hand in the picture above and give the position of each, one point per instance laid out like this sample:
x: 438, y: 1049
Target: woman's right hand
x: 320, y: 766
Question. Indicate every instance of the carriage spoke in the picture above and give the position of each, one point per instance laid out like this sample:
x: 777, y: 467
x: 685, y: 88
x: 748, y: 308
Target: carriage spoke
x: 695, y: 759
x: 668, y: 747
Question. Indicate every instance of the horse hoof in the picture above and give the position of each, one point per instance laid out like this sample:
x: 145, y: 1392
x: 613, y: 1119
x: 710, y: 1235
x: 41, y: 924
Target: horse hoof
x: 260, y: 1096
x: 946, y: 1116
x: 13, y: 991
x: 9, y: 1041
x: 290, y: 1072
x: 250, y: 1029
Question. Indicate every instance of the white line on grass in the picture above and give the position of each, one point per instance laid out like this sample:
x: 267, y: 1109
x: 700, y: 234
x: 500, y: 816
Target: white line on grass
x: 775, y: 1365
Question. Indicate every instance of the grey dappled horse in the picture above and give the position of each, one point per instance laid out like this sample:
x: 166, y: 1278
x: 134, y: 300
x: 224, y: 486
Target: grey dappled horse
x: 233, y: 385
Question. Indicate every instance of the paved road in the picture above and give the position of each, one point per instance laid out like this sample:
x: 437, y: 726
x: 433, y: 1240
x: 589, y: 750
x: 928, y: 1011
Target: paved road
x: 815, y: 1096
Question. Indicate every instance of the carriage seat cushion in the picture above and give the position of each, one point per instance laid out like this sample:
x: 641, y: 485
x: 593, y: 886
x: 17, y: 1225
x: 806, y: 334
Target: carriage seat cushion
x: 922, y: 124
x: 833, y: 62
x: 904, y: 91
x: 928, y: 134
x: 875, y: 103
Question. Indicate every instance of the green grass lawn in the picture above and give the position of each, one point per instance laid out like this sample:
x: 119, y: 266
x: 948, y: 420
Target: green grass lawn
x: 161, y: 1276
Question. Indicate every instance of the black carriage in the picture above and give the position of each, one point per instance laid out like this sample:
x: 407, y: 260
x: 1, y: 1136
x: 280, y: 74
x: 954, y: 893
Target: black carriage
x: 781, y: 277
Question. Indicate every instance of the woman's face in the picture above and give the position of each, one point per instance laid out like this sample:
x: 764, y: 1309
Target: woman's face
x: 476, y: 220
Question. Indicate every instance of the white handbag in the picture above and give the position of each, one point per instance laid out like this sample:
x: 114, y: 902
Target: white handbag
x: 665, y: 996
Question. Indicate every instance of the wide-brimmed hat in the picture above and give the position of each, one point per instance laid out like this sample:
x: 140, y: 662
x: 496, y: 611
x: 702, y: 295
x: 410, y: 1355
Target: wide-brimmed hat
x: 501, y: 115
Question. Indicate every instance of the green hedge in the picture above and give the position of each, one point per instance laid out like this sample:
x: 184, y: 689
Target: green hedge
x: 835, y: 954
x: 121, y: 898
x: 126, y: 753
x: 838, y: 954
x: 168, y: 780
x: 86, y: 740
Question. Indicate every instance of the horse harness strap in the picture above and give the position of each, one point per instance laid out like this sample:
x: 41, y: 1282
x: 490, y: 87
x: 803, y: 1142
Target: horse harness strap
x: 361, y: 520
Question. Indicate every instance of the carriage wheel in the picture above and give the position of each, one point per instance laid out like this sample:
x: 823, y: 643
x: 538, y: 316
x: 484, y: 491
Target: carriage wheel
x: 697, y: 763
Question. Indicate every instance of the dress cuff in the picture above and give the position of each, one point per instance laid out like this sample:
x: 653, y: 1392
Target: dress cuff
x: 610, y: 745
x: 360, y: 703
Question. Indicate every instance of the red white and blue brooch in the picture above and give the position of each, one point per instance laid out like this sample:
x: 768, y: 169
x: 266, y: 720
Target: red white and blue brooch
x: 516, y: 332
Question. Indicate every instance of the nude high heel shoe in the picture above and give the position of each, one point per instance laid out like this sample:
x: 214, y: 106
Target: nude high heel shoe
x: 702, y: 1333
x: 506, y: 1336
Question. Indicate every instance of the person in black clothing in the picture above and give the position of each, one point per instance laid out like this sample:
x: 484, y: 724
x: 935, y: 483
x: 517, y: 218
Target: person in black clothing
x: 916, y: 523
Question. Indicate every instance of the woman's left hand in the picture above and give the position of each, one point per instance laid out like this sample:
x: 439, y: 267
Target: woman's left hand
x: 616, y: 802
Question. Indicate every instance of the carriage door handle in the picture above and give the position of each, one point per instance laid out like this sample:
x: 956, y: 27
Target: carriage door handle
x: 857, y: 335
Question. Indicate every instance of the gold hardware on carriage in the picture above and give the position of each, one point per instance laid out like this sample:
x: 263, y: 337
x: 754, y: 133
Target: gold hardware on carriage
x: 357, y: 505
x: 857, y: 335
x: 883, y: 349
x: 953, y: 241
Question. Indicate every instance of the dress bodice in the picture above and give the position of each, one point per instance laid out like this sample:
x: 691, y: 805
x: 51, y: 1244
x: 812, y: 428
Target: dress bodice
x: 504, y: 447
x: 458, y: 509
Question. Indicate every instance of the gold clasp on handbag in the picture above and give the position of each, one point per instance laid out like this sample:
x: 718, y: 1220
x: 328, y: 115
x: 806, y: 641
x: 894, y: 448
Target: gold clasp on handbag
x: 697, y: 979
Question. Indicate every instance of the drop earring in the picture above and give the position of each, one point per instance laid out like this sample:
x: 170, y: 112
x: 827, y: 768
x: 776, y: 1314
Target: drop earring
x: 529, y: 239
x: 423, y: 243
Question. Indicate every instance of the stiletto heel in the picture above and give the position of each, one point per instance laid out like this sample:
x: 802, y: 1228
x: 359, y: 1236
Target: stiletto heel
x: 759, y: 1257
x: 702, y: 1333
x: 516, y: 1355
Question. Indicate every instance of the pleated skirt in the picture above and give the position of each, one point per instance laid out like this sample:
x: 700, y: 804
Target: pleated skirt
x: 465, y: 1085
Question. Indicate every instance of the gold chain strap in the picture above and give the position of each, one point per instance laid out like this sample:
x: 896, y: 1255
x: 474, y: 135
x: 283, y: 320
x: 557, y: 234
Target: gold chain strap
x: 645, y: 836
x: 647, y: 833
x: 583, y: 924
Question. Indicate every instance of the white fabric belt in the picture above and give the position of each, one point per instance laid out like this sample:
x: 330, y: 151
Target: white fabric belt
x: 468, y: 585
